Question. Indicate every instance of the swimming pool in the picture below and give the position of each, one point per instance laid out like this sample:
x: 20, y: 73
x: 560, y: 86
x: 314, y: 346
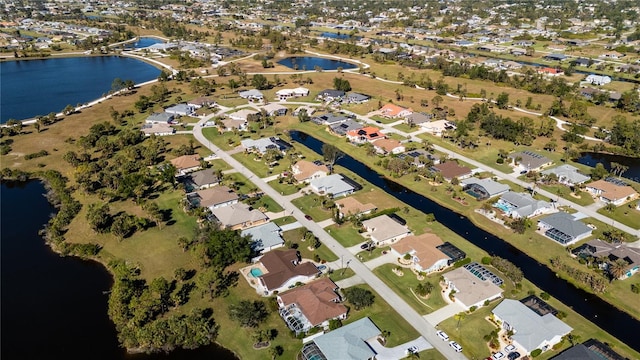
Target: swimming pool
x: 502, y: 207
x: 255, y: 272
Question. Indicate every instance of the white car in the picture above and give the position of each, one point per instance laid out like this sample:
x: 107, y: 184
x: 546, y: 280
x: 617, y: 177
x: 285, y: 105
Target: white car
x: 412, y: 350
x: 455, y: 346
x: 442, y: 335
x: 497, y: 356
x: 509, y: 348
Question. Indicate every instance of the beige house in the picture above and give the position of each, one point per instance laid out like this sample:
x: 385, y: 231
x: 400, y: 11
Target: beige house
x: 186, y: 163
x: 350, y: 206
x: 471, y: 290
x: 239, y: 216
x: 425, y: 256
x: 383, y: 230
x: 611, y: 193
x: 305, y: 171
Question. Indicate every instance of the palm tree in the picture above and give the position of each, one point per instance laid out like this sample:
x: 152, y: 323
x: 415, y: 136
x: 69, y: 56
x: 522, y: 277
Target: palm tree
x: 459, y: 317
x: 617, y: 268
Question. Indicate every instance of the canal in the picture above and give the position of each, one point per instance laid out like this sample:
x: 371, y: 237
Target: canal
x: 616, y: 322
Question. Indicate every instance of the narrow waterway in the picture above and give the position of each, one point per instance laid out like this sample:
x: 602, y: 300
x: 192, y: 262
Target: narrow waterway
x: 632, y: 173
x: 56, y: 307
x: 616, y: 322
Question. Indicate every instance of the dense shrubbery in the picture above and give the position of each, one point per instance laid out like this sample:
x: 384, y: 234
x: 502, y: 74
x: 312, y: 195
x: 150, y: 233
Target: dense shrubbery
x: 508, y: 268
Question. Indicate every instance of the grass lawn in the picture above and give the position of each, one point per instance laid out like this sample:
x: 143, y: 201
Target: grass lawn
x: 341, y: 274
x: 258, y: 166
x: 312, y: 205
x: 470, y: 332
x: 283, y: 188
x: 565, y: 192
x: 265, y: 203
x: 346, y: 234
x: 385, y: 318
x: 284, y: 220
x: 431, y: 354
x: 402, y: 285
x: 406, y: 128
x: 366, y: 255
x: 626, y: 214
x: 239, y: 183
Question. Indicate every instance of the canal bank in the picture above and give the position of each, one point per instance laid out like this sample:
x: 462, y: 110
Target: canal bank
x: 590, y: 306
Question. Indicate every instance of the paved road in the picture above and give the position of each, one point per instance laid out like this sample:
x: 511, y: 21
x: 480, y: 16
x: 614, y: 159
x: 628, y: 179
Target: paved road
x: 400, y: 306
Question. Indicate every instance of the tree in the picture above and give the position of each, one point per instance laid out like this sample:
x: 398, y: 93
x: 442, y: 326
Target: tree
x: 68, y: 110
x: 154, y: 212
x: 436, y: 101
x: 248, y: 313
x: 260, y: 82
x: 617, y: 269
x: 222, y: 247
x: 502, y: 101
x: 303, y: 116
x: 341, y: 84
x: 424, y: 289
x: 331, y: 154
x: 459, y: 317
x: 123, y: 225
x: 98, y: 217
x: 359, y: 298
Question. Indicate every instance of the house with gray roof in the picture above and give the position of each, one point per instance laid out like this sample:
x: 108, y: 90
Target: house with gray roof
x: 329, y: 119
x: 262, y: 145
x: 342, y: 128
x: 264, y: 237
x: 567, y: 174
x: 528, y: 160
x: 589, y: 350
x: 522, y: 205
x: 160, y: 118
x: 331, y: 95
x: 564, y: 228
x: 239, y: 216
x: 201, y: 179
x: 483, y: 189
x: 181, y: 110
x: 333, y: 184
x: 349, y: 342
x: 356, y: 98
x: 251, y: 95
x: 418, y: 118
x: 531, y: 331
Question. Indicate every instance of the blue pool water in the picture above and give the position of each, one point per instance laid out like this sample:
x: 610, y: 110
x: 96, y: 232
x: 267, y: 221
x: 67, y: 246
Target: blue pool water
x: 255, y: 272
x: 502, y: 207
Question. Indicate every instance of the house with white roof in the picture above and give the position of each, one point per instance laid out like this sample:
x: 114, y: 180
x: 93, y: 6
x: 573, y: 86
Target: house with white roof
x: 284, y: 94
x: 239, y: 216
x: 568, y: 175
x: 251, y: 95
x: 470, y: 290
x: 597, y: 79
x: 483, y: 189
x: 564, y: 228
x: 332, y: 184
x: 262, y: 145
x: 531, y: 331
x: 383, y: 230
x: 522, y: 205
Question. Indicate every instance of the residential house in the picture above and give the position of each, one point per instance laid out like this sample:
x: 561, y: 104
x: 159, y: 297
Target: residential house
x: 612, y: 55
x: 531, y: 330
x: 530, y: 161
x: 383, y: 230
x: 239, y: 216
x: 264, y: 238
x: 589, y: 350
x: 388, y: 146
x: 597, y: 79
x: 157, y: 129
x: 181, y: 110
x: 213, y: 198
x: 483, y: 189
x: 564, y: 228
x: 349, y: 342
x: 233, y: 124
x: 284, y: 269
x: 201, y: 179
x: 261, y: 146
x: 555, y: 57
x: 350, y: 206
x: 202, y: 101
x: 567, y: 174
x: 418, y: 118
x: 550, y: 71
x: 438, y: 127
x: 251, y: 95
x: 311, y: 305
x: 329, y: 95
x: 365, y: 134
x: 356, y: 98
x: 309, y: 109
x: 451, y: 169
x: 420, y: 158
x: 511, y: 65
x: 284, y: 94
x: 160, y: 118
x: 522, y: 205
x: 394, y: 111
x: 611, y: 192
x: 274, y: 109
x: 243, y: 114
x: 186, y: 163
x: 470, y: 290
x: 343, y: 128
x: 422, y: 249
x: 334, y: 184
x: 599, y: 249
x: 329, y: 119
x: 305, y: 171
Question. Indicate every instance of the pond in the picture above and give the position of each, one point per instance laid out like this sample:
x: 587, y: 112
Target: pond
x: 614, y: 321
x: 340, y: 36
x: 310, y: 63
x: 632, y: 173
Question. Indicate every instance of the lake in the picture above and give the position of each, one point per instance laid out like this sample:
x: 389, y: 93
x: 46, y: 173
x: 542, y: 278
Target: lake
x: 340, y: 36
x: 310, y: 62
x: 614, y: 321
x: 55, y: 307
x: 37, y: 87
x: 591, y: 159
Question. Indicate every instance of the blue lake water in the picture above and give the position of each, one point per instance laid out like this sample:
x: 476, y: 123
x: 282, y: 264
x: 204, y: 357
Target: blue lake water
x: 340, y: 36
x: 310, y: 62
x: 30, y: 88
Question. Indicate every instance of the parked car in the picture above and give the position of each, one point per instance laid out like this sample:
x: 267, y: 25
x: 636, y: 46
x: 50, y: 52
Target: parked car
x: 308, y: 217
x: 524, y: 172
x: 366, y: 246
x: 509, y: 348
x: 412, y: 350
x: 442, y: 335
x: 497, y: 356
x: 455, y: 346
x: 513, y: 356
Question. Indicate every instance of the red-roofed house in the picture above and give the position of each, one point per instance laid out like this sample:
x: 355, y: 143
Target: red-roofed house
x: 551, y: 71
x: 311, y: 305
x: 366, y: 134
x: 451, y: 169
x: 394, y: 111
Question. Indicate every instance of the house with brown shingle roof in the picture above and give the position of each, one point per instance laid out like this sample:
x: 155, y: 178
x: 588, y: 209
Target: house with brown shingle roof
x: 311, y: 305
x: 186, y: 163
x: 612, y: 193
x: 425, y: 256
x: 215, y: 197
x: 285, y: 268
x: 305, y: 171
x: 350, y: 206
x: 387, y: 146
x: 451, y: 169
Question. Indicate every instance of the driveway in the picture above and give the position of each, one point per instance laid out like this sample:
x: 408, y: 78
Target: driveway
x: 349, y: 282
x: 291, y: 226
x: 388, y: 258
x: 444, y: 313
x: 400, y: 351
